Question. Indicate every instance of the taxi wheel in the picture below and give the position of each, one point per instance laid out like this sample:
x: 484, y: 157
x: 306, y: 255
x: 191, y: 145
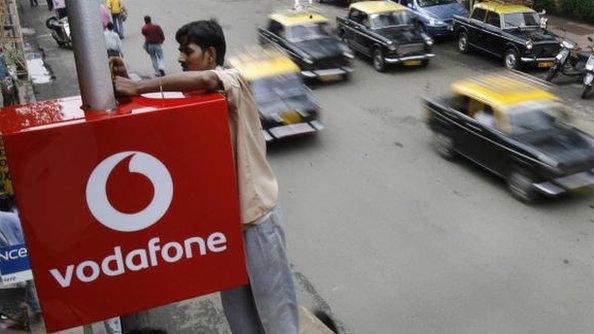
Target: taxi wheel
x: 463, y: 44
x: 511, y: 59
x: 520, y: 185
x: 378, y: 60
x: 444, y: 144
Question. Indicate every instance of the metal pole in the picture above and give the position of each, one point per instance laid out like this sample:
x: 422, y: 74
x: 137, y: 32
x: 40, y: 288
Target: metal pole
x: 90, y: 54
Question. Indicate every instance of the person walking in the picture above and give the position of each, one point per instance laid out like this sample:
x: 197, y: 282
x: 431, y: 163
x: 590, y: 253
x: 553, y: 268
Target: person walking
x: 268, y: 304
x: 60, y: 7
x: 116, y: 8
x: 105, y: 15
x: 153, y: 39
x: 112, y: 42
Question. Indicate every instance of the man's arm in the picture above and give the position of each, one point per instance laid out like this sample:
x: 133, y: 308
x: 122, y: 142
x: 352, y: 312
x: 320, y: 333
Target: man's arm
x: 182, y: 82
x: 161, y: 34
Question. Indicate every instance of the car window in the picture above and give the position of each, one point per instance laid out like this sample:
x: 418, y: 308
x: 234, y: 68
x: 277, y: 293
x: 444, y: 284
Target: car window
x: 479, y: 14
x: 494, y: 19
x: 356, y: 15
x: 407, y: 2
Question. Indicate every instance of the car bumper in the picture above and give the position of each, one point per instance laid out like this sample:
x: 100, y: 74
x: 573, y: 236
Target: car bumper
x: 392, y: 60
x: 441, y: 30
x: 291, y: 130
x: 537, y: 59
x: 328, y: 74
x: 566, y: 183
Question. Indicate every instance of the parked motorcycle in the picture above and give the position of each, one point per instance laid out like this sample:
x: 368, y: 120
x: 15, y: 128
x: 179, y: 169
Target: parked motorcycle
x: 60, y: 29
x: 574, y: 62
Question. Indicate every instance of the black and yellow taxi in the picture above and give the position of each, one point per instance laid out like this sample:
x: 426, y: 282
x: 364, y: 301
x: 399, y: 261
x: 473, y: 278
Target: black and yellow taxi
x: 386, y: 32
x: 285, y: 104
x: 304, y: 36
x: 515, y: 33
x: 515, y: 129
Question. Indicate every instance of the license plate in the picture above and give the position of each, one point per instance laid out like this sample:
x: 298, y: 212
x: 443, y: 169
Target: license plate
x: 546, y: 64
x: 291, y: 117
x: 412, y: 63
x: 330, y: 77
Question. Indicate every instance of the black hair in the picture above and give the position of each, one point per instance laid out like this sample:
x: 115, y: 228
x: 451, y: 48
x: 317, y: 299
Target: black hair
x: 205, y: 34
x: 109, y: 26
x: 147, y: 19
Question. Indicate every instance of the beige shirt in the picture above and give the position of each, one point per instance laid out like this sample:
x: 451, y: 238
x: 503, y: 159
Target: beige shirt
x: 258, y: 189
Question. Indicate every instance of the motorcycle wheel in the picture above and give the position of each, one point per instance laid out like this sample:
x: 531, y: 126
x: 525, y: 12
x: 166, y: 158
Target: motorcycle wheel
x: 552, y: 74
x: 586, y: 92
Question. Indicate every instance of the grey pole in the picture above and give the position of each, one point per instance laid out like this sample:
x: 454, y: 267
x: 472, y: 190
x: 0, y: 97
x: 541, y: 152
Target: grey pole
x: 90, y: 54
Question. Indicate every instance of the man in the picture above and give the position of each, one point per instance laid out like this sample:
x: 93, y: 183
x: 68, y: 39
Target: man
x: 105, y: 15
x: 60, y: 7
x: 269, y: 303
x: 116, y: 8
x: 112, y: 41
x: 153, y: 39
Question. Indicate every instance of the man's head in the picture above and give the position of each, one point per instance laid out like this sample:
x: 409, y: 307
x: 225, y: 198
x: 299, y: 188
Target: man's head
x: 201, y: 45
x: 147, y: 19
x: 109, y: 26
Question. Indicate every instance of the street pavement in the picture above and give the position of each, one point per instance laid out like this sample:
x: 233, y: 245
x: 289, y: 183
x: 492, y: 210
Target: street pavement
x: 380, y: 229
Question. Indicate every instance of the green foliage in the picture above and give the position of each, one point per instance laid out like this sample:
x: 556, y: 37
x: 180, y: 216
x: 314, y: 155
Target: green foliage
x: 581, y: 8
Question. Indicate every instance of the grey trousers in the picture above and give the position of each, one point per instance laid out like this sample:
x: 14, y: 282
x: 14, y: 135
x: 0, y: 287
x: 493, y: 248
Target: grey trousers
x: 268, y: 305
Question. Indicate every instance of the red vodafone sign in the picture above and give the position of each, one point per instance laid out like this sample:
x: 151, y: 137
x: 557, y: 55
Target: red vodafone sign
x: 128, y: 211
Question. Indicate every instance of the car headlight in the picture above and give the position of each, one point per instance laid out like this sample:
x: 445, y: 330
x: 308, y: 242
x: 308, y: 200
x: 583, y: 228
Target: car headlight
x: 429, y: 41
x: 434, y: 21
x: 590, y: 64
x: 392, y: 46
x: 568, y: 44
x: 529, y: 45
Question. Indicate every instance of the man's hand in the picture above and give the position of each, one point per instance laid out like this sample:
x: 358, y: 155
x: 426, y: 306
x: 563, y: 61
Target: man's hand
x: 126, y: 87
x: 118, y: 68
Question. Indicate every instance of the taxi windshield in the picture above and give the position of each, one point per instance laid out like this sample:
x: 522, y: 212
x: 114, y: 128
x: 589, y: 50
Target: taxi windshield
x: 430, y: 3
x: 521, y: 20
x: 307, y: 32
x: 535, y: 116
x: 278, y: 87
x: 389, y: 19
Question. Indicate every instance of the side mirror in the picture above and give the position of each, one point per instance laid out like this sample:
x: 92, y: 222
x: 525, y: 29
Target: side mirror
x: 543, y: 22
x: 542, y: 12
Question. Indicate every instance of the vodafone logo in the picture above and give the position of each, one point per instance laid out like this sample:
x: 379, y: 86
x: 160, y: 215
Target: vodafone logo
x: 110, y: 217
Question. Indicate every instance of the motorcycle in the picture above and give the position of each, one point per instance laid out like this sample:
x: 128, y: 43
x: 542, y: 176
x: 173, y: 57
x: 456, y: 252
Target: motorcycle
x: 60, y: 29
x: 573, y: 62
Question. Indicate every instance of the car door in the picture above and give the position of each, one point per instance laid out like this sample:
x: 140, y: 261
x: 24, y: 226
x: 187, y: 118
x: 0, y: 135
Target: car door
x: 494, y: 41
x: 354, y: 29
x: 476, y: 31
x: 364, y: 37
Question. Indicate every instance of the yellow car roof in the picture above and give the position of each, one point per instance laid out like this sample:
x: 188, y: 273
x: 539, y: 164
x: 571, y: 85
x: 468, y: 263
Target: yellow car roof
x: 374, y: 7
x: 290, y: 18
x: 502, y: 8
x: 262, y: 63
x: 500, y: 91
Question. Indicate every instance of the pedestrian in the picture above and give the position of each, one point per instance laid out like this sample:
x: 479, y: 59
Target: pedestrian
x: 116, y: 8
x: 112, y: 42
x: 60, y: 7
x: 33, y: 3
x: 105, y: 15
x: 268, y: 304
x: 153, y: 39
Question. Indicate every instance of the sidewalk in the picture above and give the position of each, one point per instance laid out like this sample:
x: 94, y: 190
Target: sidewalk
x: 575, y: 31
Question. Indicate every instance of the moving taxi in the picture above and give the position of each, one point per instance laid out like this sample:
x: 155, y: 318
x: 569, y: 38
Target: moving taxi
x: 303, y: 35
x: 516, y: 130
x: 285, y: 105
x: 386, y: 32
x: 515, y: 33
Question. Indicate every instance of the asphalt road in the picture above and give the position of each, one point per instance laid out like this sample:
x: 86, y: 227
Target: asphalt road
x: 394, y: 238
